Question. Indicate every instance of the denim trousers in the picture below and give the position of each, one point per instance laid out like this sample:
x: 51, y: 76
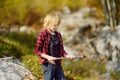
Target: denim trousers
x: 53, y: 72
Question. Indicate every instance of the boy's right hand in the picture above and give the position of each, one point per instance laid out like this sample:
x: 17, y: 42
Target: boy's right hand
x: 51, y: 59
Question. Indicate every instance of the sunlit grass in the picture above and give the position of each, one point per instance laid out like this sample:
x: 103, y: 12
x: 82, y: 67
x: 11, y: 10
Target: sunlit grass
x: 32, y: 63
x: 17, y: 44
x: 83, y: 68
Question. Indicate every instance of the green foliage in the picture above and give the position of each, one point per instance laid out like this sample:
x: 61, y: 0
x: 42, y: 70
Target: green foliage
x: 32, y: 63
x: 12, y: 11
x: 115, y: 75
x: 8, y: 48
x: 94, y: 3
x: 24, y: 39
x: 17, y: 44
x: 17, y: 11
x: 82, y: 68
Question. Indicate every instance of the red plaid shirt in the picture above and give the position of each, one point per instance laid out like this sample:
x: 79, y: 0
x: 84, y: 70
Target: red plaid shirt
x: 43, y: 40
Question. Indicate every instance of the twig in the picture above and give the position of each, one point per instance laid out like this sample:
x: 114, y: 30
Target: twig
x: 6, y: 58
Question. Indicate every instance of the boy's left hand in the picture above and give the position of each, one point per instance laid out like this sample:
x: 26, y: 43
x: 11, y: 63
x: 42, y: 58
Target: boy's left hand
x: 70, y: 56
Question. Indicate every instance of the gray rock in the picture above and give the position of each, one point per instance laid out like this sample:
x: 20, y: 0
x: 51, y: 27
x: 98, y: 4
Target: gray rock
x: 66, y: 10
x: 13, y: 71
x: 108, y: 43
x: 106, y: 76
x: 112, y: 66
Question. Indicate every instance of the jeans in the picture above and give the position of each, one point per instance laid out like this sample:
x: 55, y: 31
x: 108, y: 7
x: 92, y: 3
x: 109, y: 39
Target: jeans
x: 53, y: 72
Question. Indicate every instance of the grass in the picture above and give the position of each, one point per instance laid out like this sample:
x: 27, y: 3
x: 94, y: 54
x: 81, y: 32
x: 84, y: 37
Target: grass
x: 10, y: 48
x: 33, y: 64
x: 115, y: 75
x: 82, y: 69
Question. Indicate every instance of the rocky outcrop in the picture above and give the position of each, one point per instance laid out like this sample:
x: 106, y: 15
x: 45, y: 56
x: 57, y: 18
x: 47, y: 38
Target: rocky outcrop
x: 108, y: 43
x: 12, y: 69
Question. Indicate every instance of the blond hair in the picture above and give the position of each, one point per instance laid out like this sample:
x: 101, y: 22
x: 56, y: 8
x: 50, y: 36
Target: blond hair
x: 51, y: 19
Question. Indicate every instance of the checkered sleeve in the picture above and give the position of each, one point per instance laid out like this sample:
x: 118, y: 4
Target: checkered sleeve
x: 62, y: 51
x: 39, y: 44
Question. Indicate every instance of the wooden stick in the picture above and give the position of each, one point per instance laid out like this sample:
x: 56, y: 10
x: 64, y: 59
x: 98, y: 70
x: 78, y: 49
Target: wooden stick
x: 77, y: 57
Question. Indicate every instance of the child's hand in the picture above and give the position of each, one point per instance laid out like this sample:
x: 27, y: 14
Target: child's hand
x: 70, y: 57
x: 51, y: 59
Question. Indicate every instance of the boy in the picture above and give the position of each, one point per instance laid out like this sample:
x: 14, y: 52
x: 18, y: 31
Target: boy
x: 49, y: 46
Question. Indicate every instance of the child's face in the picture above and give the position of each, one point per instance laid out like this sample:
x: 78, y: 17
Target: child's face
x: 53, y: 28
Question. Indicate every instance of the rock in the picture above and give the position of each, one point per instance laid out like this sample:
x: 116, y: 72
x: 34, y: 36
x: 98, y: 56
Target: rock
x: 106, y: 76
x: 112, y: 66
x: 66, y: 10
x: 108, y: 43
x: 12, y: 71
x: 71, y: 51
x: 26, y: 29
x: 14, y: 28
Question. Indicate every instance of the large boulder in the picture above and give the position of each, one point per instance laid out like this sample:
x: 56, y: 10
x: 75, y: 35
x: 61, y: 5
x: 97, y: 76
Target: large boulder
x: 12, y: 70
